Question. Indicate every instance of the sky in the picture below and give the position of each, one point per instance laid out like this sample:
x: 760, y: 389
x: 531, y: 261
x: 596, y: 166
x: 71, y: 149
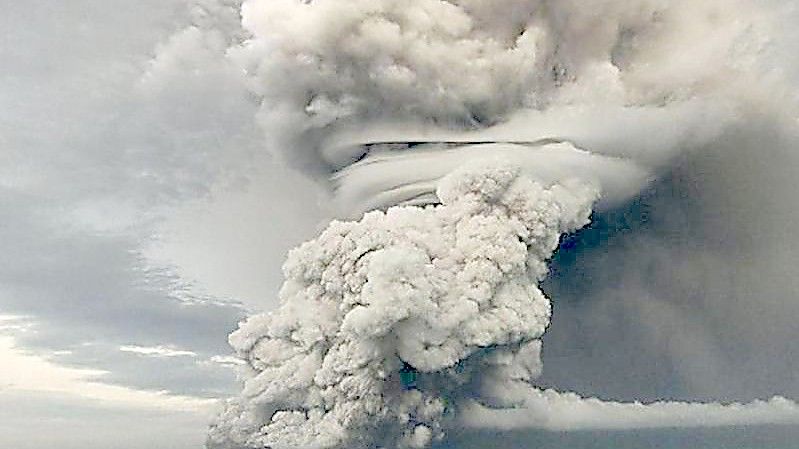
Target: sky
x: 97, y: 170
x: 141, y: 219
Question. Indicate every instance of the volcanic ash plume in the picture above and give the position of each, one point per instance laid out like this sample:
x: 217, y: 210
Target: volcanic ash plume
x: 426, y: 312
x: 387, y: 323
x: 394, y: 327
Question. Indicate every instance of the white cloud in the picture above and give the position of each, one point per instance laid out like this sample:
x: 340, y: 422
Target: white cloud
x: 157, y: 351
x: 227, y: 360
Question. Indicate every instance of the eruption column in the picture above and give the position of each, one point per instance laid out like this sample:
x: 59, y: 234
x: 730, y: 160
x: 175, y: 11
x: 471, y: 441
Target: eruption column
x: 426, y: 311
x: 390, y: 323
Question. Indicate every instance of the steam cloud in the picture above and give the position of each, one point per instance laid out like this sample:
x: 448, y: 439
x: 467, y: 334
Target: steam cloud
x: 473, y: 133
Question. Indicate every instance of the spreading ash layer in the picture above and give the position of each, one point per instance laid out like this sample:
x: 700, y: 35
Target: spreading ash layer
x: 386, y: 323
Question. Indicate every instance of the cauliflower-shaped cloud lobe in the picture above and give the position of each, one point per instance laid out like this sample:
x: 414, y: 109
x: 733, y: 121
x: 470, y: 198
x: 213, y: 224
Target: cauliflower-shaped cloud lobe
x: 386, y: 323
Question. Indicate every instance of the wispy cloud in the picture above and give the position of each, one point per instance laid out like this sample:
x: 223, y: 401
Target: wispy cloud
x: 27, y: 372
x: 157, y: 351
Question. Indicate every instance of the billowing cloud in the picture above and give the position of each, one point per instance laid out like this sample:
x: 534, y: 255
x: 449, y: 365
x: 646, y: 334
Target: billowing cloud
x: 388, y: 322
x: 388, y: 99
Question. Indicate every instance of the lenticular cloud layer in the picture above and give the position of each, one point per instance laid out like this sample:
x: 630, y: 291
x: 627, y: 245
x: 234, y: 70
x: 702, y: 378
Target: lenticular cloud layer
x: 388, y: 324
